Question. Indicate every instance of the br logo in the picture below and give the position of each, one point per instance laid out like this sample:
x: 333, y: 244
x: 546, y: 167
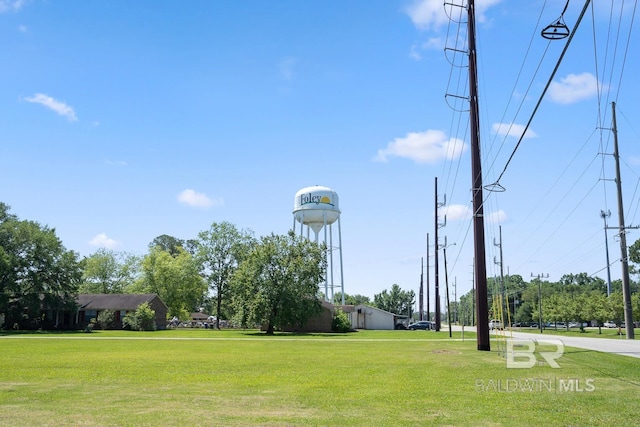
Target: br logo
x: 521, y: 353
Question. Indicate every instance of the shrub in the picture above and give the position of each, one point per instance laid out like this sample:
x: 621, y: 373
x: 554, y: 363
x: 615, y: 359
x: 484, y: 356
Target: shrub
x: 340, y: 322
x: 143, y: 319
x: 105, y: 319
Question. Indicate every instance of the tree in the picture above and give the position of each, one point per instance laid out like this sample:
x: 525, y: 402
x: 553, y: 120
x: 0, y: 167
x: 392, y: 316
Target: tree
x: 351, y: 299
x: 278, y: 283
x: 466, y: 308
x: 167, y: 243
x: 582, y: 282
x: 220, y: 251
x: 615, y: 307
x: 109, y: 272
x: 37, y: 274
x: 396, y: 301
x: 143, y: 319
x: 595, y: 308
x: 175, y: 278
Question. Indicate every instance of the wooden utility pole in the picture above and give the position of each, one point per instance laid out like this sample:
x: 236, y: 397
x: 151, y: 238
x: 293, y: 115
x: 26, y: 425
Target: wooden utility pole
x: 428, y: 312
x: 482, y: 305
x: 421, y: 302
x: 626, y: 292
x: 435, y: 265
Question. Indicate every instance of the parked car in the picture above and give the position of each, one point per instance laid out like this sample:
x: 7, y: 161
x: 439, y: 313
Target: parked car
x: 495, y: 324
x: 423, y: 324
x: 610, y: 324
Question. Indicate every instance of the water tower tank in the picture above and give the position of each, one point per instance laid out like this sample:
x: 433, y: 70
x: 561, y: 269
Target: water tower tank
x: 316, y: 207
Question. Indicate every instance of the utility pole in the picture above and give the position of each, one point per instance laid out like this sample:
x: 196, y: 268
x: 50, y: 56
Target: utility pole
x: 540, y: 297
x: 455, y: 299
x: 473, y: 289
x: 499, y: 245
x: 476, y: 188
x: 436, y: 272
x: 446, y: 281
x: 421, y: 302
x: 626, y: 292
x: 428, y: 309
x: 604, y: 215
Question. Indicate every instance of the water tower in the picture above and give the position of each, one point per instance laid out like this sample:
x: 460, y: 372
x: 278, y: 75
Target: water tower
x: 317, y: 208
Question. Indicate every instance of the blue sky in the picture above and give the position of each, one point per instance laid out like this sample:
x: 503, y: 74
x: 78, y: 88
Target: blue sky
x: 125, y: 120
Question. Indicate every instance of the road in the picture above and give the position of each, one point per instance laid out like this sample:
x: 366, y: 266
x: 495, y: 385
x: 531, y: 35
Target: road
x: 621, y: 346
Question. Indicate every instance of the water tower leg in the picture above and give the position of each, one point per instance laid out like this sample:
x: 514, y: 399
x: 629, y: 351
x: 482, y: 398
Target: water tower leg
x: 340, y: 253
x: 331, y: 260
x: 326, y: 271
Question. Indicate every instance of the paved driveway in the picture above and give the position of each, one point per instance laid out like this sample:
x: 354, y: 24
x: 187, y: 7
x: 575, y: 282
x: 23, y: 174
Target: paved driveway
x: 620, y: 346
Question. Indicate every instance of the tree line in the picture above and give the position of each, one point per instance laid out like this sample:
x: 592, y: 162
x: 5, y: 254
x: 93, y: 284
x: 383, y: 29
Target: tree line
x: 574, y: 298
x: 272, y: 280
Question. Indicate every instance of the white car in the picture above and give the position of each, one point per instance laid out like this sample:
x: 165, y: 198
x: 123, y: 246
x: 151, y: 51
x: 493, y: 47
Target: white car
x: 495, y: 324
x: 610, y: 325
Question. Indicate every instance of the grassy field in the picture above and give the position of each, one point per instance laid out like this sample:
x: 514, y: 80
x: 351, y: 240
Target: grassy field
x: 205, y: 377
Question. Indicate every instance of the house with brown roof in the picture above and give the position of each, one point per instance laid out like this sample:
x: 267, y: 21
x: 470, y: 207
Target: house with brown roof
x: 90, y: 305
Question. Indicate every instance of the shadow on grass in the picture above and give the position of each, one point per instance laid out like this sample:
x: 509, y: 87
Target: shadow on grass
x: 5, y: 333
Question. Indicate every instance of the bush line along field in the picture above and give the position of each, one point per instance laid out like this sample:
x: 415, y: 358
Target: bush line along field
x: 204, y: 377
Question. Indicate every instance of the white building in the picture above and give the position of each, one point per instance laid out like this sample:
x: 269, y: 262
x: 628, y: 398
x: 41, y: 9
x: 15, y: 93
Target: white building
x: 364, y: 316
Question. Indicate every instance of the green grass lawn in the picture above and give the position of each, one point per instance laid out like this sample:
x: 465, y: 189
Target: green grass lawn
x: 373, y: 378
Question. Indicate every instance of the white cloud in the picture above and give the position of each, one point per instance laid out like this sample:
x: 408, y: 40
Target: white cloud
x: 198, y: 200
x: 285, y: 68
x: 455, y: 212
x: 11, y: 5
x: 464, y: 213
x: 512, y: 129
x: 53, y: 104
x: 574, y: 88
x: 414, y: 53
x: 101, y: 240
x: 427, y: 14
x: 431, y: 14
x: 482, y: 6
x: 423, y: 147
x: 497, y: 217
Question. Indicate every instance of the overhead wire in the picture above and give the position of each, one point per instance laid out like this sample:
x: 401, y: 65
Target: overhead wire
x: 544, y: 91
x: 489, y: 158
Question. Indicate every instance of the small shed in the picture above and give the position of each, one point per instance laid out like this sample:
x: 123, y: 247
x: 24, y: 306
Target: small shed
x: 90, y: 305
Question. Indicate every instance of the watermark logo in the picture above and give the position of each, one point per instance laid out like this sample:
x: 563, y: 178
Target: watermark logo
x: 521, y: 353
x: 535, y: 385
